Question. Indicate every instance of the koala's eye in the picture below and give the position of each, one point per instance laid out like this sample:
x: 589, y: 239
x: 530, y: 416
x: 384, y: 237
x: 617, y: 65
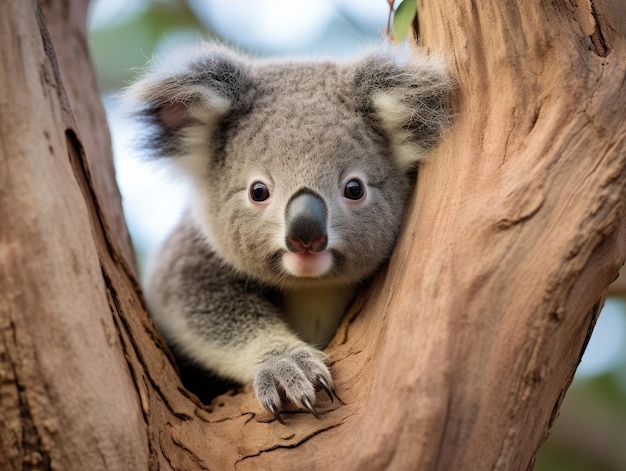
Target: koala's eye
x: 354, y: 189
x: 259, y: 192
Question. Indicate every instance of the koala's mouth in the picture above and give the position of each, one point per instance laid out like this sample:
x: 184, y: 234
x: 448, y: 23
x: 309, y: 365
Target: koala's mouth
x: 307, y: 264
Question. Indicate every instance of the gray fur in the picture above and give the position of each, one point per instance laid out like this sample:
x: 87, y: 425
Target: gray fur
x: 224, y: 289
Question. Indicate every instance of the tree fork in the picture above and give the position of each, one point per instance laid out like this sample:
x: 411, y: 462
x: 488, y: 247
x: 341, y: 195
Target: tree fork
x: 458, y: 355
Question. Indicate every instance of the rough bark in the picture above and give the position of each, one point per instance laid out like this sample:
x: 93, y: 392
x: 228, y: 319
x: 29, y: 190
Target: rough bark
x: 68, y: 400
x: 457, y: 357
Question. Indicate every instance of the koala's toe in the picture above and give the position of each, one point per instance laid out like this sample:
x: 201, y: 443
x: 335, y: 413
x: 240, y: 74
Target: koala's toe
x: 266, y: 390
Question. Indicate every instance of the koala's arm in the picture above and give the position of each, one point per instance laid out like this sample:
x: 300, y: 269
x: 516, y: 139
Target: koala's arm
x: 227, y: 324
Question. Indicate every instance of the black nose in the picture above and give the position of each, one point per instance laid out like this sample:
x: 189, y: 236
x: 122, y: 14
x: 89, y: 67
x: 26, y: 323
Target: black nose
x: 306, y: 218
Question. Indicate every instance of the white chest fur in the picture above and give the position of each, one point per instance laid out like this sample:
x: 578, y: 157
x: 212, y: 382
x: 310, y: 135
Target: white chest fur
x: 315, y: 312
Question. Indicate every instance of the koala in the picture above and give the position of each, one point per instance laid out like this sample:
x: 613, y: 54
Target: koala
x: 299, y: 173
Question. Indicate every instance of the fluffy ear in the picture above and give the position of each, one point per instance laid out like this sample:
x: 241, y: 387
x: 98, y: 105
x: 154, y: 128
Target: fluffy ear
x: 409, y: 99
x: 184, y: 99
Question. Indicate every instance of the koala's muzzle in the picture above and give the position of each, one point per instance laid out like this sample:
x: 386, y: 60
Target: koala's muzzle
x: 306, y: 220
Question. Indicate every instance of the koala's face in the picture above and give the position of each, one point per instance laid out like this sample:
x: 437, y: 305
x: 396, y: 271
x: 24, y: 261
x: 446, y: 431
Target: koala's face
x: 300, y: 171
x: 299, y: 141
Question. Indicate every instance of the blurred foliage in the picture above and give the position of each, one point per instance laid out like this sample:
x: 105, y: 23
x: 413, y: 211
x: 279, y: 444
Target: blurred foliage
x: 403, y: 18
x: 590, y: 433
x: 118, y: 46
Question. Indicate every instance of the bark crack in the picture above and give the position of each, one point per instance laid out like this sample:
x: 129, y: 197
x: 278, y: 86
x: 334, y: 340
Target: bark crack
x: 136, y: 350
x: 188, y: 453
x: 31, y: 450
x: 83, y: 179
x: 598, y: 40
x: 289, y: 446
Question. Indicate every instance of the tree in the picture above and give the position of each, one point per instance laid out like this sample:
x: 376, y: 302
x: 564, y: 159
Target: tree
x: 459, y: 354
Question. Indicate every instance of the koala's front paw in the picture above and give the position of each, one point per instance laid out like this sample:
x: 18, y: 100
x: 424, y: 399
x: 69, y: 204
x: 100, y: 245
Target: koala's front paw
x: 292, y: 377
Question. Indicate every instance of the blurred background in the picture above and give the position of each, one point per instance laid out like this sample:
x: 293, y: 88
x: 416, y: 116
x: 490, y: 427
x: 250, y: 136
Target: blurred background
x: 590, y: 433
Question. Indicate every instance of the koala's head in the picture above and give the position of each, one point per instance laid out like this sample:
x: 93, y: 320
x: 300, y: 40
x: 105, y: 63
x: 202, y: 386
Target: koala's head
x: 300, y: 170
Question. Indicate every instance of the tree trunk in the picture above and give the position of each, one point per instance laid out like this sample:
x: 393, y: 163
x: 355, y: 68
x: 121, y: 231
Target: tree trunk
x: 459, y: 354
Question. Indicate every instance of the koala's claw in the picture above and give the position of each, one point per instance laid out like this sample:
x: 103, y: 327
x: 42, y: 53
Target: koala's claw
x: 292, y: 377
x: 308, y: 406
x: 275, y: 413
x: 326, y: 386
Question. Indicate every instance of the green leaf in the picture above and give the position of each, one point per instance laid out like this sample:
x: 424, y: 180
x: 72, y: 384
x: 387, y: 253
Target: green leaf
x: 402, y: 19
